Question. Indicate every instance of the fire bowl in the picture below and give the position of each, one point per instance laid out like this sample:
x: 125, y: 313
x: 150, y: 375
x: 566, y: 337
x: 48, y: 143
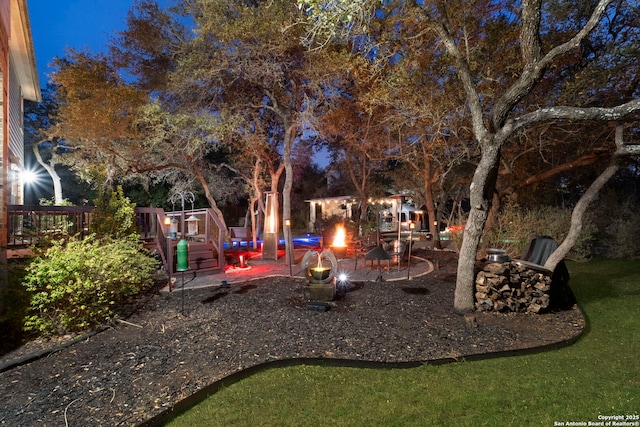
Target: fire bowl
x: 339, y: 251
x: 320, y: 273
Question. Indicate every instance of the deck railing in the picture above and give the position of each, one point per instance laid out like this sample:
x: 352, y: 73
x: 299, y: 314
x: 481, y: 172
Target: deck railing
x: 31, y: 225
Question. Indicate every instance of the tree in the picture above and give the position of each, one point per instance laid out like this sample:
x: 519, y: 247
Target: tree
x: 37, y: 117
x: 95, y: 115
x: 247, y: 61
x: 115, y: 132
x: 497, y: 117
x: 357, y: 138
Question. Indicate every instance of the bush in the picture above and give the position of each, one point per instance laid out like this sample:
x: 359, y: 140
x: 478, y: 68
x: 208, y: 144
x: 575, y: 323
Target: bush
x: 114, y: 215
x: 623, y: 231
x: 516, y: 226
x: 75, y: 286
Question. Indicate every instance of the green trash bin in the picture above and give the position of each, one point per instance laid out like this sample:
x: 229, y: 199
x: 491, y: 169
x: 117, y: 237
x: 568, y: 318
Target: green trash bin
x: 183, y: 255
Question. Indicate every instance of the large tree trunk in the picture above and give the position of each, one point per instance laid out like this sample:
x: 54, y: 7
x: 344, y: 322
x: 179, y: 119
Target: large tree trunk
x: 212, y: 201
x: 51, y: 170
x: 286, y: 194
x: 430, y: 204
x: 587, y: 198
x: 481, y: 192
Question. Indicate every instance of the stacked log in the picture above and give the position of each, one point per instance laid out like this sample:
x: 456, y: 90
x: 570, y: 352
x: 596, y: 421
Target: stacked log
x: 512, y: 286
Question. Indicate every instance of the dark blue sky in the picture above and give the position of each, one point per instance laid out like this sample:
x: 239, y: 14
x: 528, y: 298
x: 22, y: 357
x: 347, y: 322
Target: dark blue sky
x: 80, y: 24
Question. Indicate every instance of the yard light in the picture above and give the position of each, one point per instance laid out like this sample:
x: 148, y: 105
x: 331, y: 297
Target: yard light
x: 173, y: 228
x: 412, y: 226
x: 270, y: 237
x: 289, y: 250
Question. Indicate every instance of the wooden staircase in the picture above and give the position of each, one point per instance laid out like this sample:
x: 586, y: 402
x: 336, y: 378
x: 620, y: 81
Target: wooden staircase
x: 206, y: 250
x: 203, y: 257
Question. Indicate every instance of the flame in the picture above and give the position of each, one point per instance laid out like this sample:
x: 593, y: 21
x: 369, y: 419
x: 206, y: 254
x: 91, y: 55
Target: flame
x: 339, y: 239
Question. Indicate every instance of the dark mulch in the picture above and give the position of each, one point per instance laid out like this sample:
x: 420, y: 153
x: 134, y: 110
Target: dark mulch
x: 133, y: 371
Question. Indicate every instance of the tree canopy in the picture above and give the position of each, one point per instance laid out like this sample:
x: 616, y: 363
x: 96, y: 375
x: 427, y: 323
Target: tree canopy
x: 488, y: 96
x: 540, y: 45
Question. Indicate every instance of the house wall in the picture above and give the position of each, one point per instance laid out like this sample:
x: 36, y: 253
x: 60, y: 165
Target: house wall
x: 19, y: 81
x: 5, y: 29
x: 15, y: 184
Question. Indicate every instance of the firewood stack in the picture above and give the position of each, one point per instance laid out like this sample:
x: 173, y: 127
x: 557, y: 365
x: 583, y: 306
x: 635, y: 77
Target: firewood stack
x: 512, y: 286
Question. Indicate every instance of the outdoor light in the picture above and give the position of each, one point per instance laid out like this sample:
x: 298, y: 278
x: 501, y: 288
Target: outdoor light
x: 167, y: 225
x: 287, y: 224
x: 412, y: 226
x: 29, y: 176
x: 192, y: 225
x: 270, y: 237
x: 173, y: 228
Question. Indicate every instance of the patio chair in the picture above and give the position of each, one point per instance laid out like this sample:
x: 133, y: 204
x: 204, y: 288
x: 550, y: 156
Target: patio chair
x: 537, y: 252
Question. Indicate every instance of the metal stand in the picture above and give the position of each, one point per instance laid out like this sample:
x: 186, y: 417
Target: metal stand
x: 409, y: 261
x: 183, y: 292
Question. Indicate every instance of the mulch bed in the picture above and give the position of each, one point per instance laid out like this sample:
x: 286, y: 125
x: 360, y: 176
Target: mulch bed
x: 167, y: 351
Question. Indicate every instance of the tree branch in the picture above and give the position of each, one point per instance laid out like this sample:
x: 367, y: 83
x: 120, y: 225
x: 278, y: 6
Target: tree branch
x: 576, y: 113
x: 534, y: 68
x: 587, y: 198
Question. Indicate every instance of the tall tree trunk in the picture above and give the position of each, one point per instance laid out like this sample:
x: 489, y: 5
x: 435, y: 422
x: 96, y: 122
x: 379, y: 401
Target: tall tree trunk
x: 587, y: 198
x: 429, y: 202
x: 481, y: 192
x: 212, y: 202
x: 286, y: 193
x: 256, y: 203
x: 51, y: 170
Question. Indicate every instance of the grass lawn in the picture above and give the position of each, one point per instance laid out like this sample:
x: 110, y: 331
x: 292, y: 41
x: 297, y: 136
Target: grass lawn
x: 598, y: 375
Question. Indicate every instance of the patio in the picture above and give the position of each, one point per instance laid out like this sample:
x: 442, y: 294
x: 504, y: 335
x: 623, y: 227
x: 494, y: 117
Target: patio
x: 354, y: 269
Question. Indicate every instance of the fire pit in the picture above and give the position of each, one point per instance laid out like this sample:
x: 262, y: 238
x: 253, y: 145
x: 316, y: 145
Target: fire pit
x: 322, y: 278
x: 339, y: 245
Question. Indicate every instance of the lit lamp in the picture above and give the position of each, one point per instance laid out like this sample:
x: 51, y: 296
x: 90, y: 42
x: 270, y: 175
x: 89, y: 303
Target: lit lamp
x: 270, y: 236
x: 167, y: 222
x: 173, y: 228
x: 287, y: 224
x: 192, y: 225
x: 412, y: 226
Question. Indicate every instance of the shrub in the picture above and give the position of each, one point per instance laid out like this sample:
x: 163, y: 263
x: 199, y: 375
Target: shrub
x: 75, y: 286
x: 114, y: 215
x: 516, y: 226
x: 623, y: 231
